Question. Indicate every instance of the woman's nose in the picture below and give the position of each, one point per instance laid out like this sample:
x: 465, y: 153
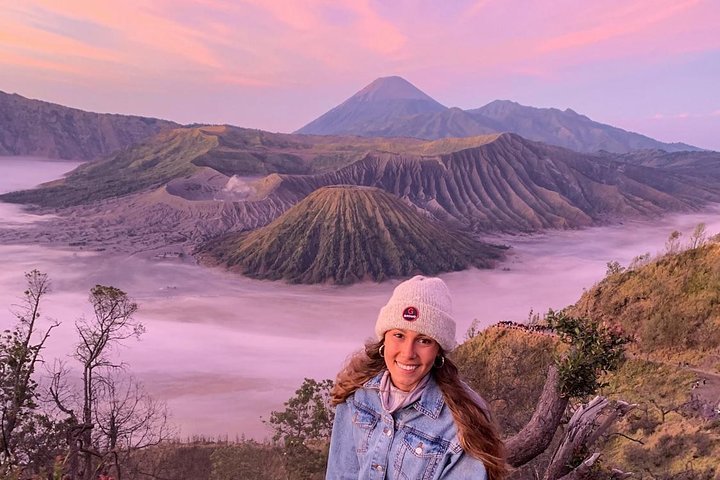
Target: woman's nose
x: 409, y: 349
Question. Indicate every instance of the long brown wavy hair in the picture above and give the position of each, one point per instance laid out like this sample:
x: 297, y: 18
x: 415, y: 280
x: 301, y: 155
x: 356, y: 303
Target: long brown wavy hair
x: 477, y: 431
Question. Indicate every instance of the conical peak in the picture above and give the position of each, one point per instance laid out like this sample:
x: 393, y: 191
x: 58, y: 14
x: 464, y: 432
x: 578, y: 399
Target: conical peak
x: 391, y: 88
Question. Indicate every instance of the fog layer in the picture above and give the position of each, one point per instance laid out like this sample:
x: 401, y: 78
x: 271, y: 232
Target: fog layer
x: 224, y: 350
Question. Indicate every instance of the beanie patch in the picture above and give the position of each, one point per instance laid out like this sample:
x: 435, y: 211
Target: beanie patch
x: 410, y: 314
x: 423, y: 305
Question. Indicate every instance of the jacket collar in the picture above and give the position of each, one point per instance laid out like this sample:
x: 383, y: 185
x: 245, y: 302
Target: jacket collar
x: 431, y: 401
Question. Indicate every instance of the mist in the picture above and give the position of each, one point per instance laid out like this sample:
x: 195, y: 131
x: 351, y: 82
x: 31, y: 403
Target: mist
x: 224, y: 350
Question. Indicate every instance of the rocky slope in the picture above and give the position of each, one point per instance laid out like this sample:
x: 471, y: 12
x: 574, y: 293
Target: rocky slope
x: 392, y: 107
x: 36, y: 128
x: 511, y: 184
x: 230, y: 151
x: 688, y: 163
x: 345, y: 234
x: 202, y: 182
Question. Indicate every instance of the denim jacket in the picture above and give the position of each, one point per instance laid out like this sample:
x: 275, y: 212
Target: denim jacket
x: 417, y: 442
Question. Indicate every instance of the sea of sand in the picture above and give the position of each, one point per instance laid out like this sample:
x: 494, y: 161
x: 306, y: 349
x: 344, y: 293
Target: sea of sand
x: 224, y: 351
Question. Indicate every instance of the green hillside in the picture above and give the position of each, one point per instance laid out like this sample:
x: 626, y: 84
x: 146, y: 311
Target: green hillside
x: 231, y: 151
x: 347, y: 234
x: 670, y: 306
x: 151, y: 164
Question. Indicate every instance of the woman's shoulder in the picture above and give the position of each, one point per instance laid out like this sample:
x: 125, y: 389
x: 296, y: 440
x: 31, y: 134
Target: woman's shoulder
x: 366, y: 395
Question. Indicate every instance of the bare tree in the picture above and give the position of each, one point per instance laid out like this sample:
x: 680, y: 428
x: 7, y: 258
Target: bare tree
x: 699, y: 236
x: 672, y: 244
x: 112, y: 323
x: 127, y: 419
x: 587, y: 424
x: 19, y: 356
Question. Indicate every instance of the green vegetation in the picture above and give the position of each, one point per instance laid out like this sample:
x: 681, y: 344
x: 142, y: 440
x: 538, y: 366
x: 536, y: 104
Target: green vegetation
x: 29, y: 435
x: 671, y: 306
x: 68, y: 432
x: 508, y: 367
x: 231, y: 151
x: 303, y: 430
x: 347, y: 234
x: 593, y: 348
x: 148, y: 165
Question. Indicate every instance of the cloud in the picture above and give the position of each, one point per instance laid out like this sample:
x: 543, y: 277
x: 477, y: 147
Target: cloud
x: 267, y: 53
x: 27, y: 33
x: 631, y: 18
x: 685, y: 115
x: 254, y: 43
x: 476, y: 8
x: 257, y: 43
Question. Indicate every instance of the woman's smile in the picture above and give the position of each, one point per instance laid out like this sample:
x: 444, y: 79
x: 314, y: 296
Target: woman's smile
x: 409, y: 368
x: 409, y: 356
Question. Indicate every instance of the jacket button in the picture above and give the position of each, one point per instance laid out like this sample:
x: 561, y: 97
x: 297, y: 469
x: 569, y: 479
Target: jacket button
x: 379, y: 468
x: 386, y: 431
x: 418, y: 450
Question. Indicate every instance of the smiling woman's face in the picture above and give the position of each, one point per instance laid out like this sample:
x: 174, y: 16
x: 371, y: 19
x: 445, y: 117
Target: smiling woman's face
x: 409, y: 356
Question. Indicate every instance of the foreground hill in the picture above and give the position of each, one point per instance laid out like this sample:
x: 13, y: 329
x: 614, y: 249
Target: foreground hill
x: 36, y: 128
x: 671, y: 306
x: 672, y: 433
x: 345, y: 234
x: 393, y: 107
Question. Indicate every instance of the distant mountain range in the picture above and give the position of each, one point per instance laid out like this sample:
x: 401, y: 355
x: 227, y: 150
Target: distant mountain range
x: 35, y: 128
x: 345, y: 234
x: 177, y: 189
x: 393, y: 107
x: 388, y: 107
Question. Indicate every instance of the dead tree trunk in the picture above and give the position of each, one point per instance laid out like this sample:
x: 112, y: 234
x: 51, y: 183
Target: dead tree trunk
x: 535, y: 438
x: 587, y: 424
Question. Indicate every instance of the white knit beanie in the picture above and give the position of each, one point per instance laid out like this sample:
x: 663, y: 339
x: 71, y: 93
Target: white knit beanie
x: 423, y: 305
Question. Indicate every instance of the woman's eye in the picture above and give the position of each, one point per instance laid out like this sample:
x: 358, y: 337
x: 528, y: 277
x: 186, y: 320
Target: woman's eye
x: 398, y: 335
x: 425, y: 341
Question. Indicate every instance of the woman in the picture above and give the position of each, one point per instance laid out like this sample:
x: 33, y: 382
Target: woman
x: 402, y: 411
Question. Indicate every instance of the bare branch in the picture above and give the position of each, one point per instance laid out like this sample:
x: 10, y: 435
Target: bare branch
x: 619, y: 434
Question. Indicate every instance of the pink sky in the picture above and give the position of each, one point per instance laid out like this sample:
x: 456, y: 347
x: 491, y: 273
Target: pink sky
x: 650, y: 66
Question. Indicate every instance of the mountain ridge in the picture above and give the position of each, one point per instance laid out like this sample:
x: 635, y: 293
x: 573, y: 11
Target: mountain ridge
x: 394, y: 117
x: 32, y: 127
